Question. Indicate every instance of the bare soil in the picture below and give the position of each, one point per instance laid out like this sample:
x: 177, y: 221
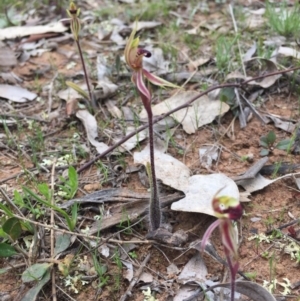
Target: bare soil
x: 273, y: 206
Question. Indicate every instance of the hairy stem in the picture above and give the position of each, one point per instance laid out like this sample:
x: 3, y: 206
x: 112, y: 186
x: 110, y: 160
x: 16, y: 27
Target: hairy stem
x: 92, y: 100
x: 233, y: 267
x: 155, y: 212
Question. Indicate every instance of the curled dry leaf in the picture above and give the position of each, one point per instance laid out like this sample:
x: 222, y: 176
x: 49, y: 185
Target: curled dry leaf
x: 266, y: 82
x: 260, y: 182
x: 250, y: 52
x: 287, y: 126
x: 287, y: 51
x: 90, y: 124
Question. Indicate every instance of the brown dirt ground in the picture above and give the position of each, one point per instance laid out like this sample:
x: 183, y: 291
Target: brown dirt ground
x: 273, y: 202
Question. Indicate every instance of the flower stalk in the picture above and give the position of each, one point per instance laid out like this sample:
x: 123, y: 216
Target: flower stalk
x: 74, y: 12
x: 227, y: 210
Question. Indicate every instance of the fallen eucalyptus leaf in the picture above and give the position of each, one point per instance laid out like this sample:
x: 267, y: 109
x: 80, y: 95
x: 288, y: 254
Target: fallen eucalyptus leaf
x: 7, y: 56
x: 90, y: 124
x: 194, y: 270
x: 250, y: 52
x: 169, y: 170
x: 145, y: 25
x: 16, y: 93
x: 287, y: 126
x: 22, y: 31
x: 200, y: 191
x: 202, y: 111
x: 287, y: 51
x: 266, y: 82
x: 260, y: 182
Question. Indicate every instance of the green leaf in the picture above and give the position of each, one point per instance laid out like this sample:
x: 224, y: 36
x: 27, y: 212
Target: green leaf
x: 264, y: 152
x: 7, y: 250
x: 73, y: 180
x: 263, y: 142
x: 45, y: 191
x: 12, y: 227
x: 47, y: 204
x: 7, y: 211
x: 35, y: 272
x: 18, y: 199
x: 271, y: 137
x: 284, y: 144
x: 34, y: 291
x: 62, y: 242
x: 77, y: 89
x: 227, y: 95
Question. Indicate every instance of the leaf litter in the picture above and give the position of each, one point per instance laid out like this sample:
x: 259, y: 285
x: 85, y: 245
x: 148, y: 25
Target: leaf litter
x: 198, y: 119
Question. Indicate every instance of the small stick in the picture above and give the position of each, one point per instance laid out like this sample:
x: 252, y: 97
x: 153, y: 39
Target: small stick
x: 135, y: 279
x: 52, y: 238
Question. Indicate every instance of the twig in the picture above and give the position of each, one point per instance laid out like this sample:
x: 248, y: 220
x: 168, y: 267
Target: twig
x: 70, y: 298
x: 185, y: 105
x: 135, y: 279
x: 52, y: 239
x: 283, y: 226
x: 236, y: 33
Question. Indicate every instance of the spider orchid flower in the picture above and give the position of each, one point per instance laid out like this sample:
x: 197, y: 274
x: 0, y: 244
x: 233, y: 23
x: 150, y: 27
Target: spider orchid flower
x: 73, y: 12
x: 227, y: 209
x: 134, y: 59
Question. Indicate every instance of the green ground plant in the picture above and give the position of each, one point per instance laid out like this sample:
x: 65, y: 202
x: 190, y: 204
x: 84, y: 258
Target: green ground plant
x: 285, y: 21
x: 268, y: 144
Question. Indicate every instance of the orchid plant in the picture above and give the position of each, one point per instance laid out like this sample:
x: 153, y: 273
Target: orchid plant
x: 134, y: 58
x: 227, y: 210
x: 75, y: 24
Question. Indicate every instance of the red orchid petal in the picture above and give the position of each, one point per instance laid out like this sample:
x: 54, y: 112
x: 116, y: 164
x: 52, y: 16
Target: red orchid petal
x: 228, y: 237
x: 140, y: 84
x: 144, y: 52
x: 208, y: 233
x: 156, y: 80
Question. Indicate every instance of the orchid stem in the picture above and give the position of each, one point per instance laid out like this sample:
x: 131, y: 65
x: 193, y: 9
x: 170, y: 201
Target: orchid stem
x: 233, y: 271
x: 92, y: 100
x: 155, y: 211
